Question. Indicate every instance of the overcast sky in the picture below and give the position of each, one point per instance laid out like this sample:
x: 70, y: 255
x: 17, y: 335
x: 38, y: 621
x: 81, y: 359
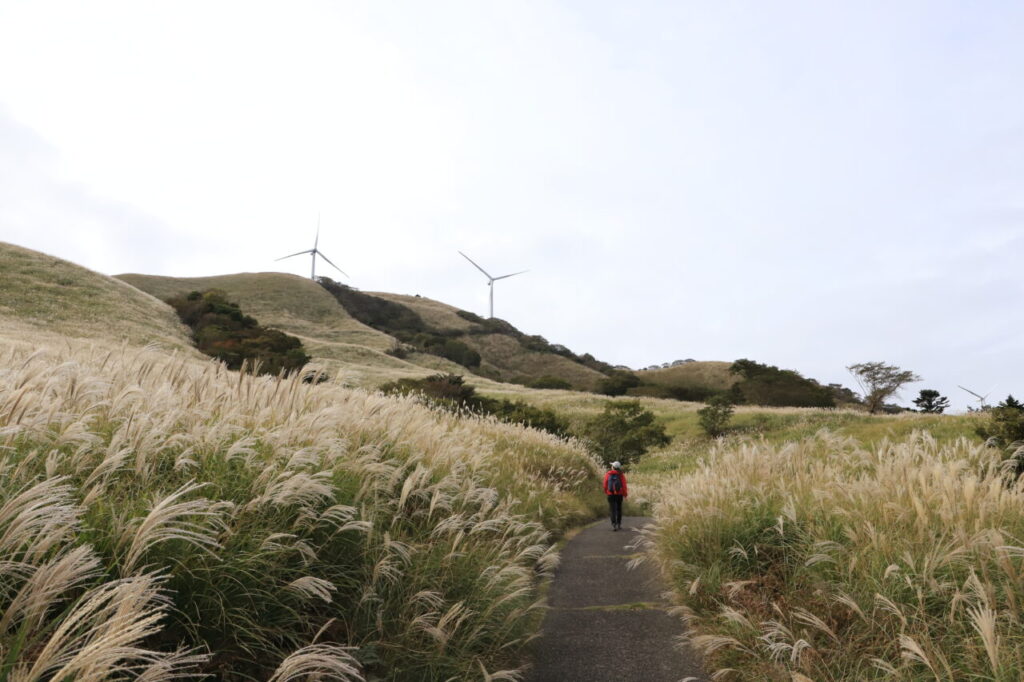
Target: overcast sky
x: 805, y: 184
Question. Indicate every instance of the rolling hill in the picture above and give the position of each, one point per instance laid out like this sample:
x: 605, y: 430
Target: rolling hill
x: 44, y: 297
x: 337, y: 339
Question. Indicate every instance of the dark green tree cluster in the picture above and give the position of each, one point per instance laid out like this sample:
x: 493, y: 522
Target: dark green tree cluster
x: 930, y: 401
x: 761, y: 384
x: 1004, y: 428
x: 221, y: 330
x: 548, y: 381
x: 403, y: 323
x: 618, y: 382
x: 1005, y: 424
x: 451, y: 392
x: 624, y: 431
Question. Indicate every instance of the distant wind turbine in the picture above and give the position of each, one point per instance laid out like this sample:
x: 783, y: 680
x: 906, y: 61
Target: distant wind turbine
x: 981, y: 398
x: 314, y: 252
x: 490, y: 280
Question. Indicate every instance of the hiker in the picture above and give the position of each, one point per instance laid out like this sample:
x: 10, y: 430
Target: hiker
x: 615, y: 489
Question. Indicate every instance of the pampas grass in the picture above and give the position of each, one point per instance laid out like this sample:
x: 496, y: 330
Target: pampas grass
x: 163, y: 518
x: 826, y: 560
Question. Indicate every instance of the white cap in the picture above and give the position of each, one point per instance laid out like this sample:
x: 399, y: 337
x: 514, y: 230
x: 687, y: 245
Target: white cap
x: 616, y: 465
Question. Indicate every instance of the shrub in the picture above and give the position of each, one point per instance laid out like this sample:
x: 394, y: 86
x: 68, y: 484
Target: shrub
x: 374, y: 311
x: 221, y: 330
x: 1005, y: 429
x: 624, y: 431
x: 715, y: 416
x: 617, y: 383
x: 451, y: 392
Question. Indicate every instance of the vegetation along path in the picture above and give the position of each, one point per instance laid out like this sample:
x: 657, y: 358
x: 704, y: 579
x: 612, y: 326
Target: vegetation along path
x: 608, y: 622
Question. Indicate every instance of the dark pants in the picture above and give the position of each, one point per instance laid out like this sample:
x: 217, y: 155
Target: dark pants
x: 615, y: 507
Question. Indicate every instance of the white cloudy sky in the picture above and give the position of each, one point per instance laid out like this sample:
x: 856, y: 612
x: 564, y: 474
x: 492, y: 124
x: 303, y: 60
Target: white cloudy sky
x: 806, y: 184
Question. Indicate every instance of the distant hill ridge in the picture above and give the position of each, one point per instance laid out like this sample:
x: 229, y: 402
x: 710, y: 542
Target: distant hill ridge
x: 389, y: 335
x: 366, y: 338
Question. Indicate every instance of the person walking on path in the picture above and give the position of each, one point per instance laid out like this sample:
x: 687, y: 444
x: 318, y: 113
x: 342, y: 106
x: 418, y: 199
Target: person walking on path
x: 615, y: 489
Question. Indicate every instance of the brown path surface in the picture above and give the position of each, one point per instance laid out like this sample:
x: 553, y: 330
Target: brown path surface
x: 609, y: 623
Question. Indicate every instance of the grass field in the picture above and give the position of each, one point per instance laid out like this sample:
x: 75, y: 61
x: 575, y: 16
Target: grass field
x: 171, y: 517
x: 161, y: 516
x: 825, y: 559
x: 708, y: 374
x: 42, y: 297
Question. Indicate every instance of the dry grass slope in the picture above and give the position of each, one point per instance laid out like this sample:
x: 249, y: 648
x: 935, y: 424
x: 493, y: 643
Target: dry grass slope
x: 434, y: 313
x: 43, y: 297
x: 707, y: 374
x: 291, y: 303
x: 298, y: 306
x: 162, y: 517
x: 504, y: 356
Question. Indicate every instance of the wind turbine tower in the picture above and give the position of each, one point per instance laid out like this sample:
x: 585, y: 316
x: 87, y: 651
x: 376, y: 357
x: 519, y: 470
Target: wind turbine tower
x: 314, y: 252
x: 490, y: 280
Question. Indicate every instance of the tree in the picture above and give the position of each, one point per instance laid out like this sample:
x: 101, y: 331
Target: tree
x: 1012, y: 403
x: 880, y: 381
x: 768, y: 385
x: 931, y: 402
x: 715, y: 416
x: 624, y: 431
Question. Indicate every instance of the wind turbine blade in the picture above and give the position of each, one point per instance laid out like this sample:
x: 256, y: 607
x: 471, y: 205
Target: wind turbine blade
x: 512, y: 275
x: 970, y: 391
x: 475, y: 265
x: 316, y: 241
x: 320, y: 253
x: 295, y: 254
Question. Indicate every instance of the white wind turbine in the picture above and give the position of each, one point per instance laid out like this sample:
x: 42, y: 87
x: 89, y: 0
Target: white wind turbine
x: 981, y: 398
x: 490, y: 280
x: 314, y: 252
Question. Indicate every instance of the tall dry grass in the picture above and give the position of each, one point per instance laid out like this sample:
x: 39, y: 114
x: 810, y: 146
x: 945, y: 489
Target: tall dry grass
x: 162, y: 518
x: 824, y: 560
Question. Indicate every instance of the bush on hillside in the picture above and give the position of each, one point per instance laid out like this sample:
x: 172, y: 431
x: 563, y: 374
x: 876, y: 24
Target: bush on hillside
x: 624, y: 431
x: 768, y: 385
x: 221, y: 330
x: 1004, y: 429
x: 403, y: 323
x: 548, y: 381
x: 451, y: 392
x: 693, y: 394
x: 715, y: 416
x: 470, y: 317
x: 617, y: 383
x: 374, y: 311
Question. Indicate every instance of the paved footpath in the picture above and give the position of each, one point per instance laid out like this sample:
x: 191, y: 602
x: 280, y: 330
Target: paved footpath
x: 607, y: 622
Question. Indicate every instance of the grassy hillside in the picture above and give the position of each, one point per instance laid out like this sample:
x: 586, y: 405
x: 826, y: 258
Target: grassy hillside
x: 504, y: 356
x: 707, y: 375
x: 164, y: 518
x: 288, y: 302
x: 46, y: 298
x: 302, y: 308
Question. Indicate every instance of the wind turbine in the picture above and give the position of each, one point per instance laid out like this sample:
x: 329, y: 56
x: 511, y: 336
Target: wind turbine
x: 314, y: 252
x: 981, y: 398
x: 491, y: 280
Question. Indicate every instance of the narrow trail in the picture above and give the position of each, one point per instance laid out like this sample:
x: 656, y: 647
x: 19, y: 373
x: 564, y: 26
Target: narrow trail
x: 606, y: 622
